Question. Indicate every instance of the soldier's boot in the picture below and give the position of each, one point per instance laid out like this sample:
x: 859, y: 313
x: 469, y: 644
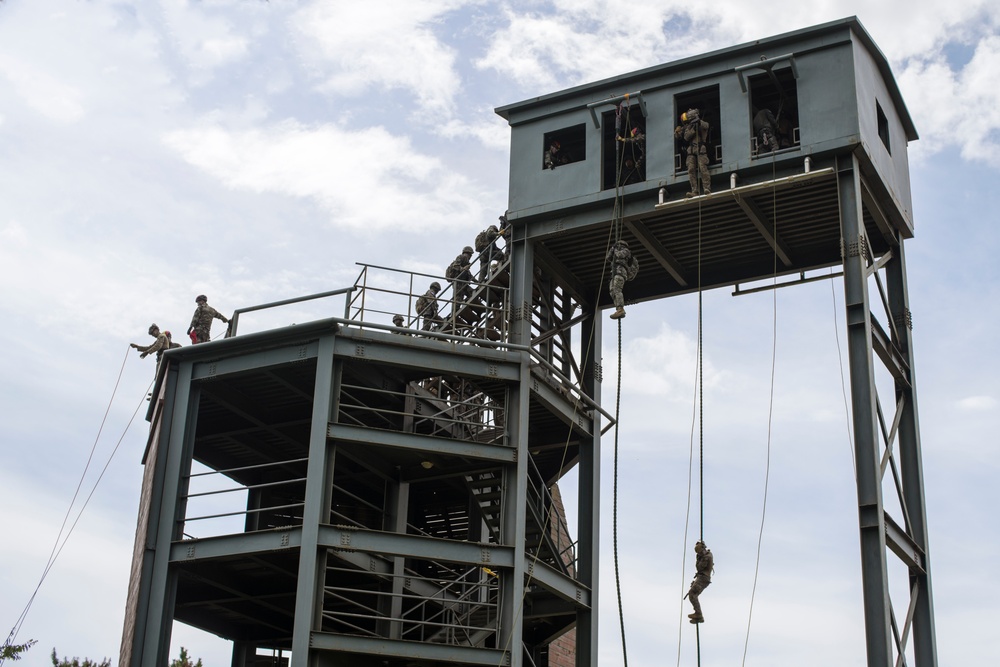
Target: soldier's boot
x: 618, y: 314
x: 696, y: 617
x: 691, y: 194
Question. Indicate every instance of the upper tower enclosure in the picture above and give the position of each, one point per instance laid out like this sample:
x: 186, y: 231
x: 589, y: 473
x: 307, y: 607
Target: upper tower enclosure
x: 828, y: 90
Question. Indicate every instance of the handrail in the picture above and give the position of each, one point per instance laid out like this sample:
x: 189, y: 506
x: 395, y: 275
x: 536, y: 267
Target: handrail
x: 234, y: 320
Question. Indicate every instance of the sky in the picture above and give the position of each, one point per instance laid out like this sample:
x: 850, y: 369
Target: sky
x: 255, y: 151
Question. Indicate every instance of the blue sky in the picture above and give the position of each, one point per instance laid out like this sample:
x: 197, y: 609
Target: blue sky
x: 255, y: 151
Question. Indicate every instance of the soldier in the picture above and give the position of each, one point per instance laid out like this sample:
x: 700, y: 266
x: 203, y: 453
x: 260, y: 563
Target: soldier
x: 695, y: 132
x: 399, y: 321
x: 486, y: 246
x: 636, y: 162
x: 765, y: 128
x: 704, y: 566
x: 623, y: 267
x: 552, y: 158
x: 427, y: 307
x: 460, y: 276
x: 201, y: 323
x: 161, y: 343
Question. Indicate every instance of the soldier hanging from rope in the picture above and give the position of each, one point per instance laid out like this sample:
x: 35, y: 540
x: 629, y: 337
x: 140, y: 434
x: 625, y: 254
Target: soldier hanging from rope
x: 704, y: 566
x: 694, y: 131
x: 624, y: 267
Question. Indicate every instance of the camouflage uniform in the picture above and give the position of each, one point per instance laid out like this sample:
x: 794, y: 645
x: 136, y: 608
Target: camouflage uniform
x: 704, y: 565
x: 427, y: 308
x: 400, y: 322
x: 460, y: 276
x: 201, y: 323
x: 695, y: 133
x: 636, y: 162
x: 765, y: 128
x: 486, y: 246
x: 624, y: 267
x: 158, y: 346
x: 552, y: 157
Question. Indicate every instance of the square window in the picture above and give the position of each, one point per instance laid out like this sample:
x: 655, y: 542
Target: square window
x: 623, y: 161
x: 564, y: 146
x: 774, y: 112
x: 883, y: 127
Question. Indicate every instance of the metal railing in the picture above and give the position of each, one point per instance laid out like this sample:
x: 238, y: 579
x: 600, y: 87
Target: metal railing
x: 235, y: 319
x: 456, y: 607
x: 223, y: 505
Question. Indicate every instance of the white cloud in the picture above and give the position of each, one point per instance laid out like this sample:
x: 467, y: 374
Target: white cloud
x: 50, y: 96
x: 206, y: 38
x: 365, y: 179
x: 977, y: 403
x: 355, y: 48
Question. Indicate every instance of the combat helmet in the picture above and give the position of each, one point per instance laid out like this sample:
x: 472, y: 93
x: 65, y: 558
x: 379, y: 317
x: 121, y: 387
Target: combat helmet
x: 436, y: 286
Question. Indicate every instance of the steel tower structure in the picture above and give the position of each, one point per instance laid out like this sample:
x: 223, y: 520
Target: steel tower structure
x: 355, y: 493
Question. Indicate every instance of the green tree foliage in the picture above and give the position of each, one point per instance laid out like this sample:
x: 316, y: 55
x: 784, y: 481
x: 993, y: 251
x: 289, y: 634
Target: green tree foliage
x: 13, y: 651
x: 75, y: 662
x: 185, y: 660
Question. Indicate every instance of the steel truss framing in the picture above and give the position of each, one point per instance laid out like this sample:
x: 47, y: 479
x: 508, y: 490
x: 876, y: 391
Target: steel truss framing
x: 886, y: 435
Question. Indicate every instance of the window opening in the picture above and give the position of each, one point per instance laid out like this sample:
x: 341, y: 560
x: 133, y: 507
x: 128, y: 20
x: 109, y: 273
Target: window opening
x: 883, y: 126
x: 623, y: 139
x: 564, y: 146
x: 774, y: 111
x: 706, y: 102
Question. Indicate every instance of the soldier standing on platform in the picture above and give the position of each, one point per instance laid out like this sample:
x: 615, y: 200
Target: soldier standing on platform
x: 460, y: 276
x: 427, y: 307
x: 161, y: 343
x: 695, y: 132
x: 624, y: 267
x: 486, y: 246
x: 201, y: 323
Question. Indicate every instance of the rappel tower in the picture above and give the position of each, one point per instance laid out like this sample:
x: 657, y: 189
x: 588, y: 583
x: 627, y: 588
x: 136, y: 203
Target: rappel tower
x: 346, y: 491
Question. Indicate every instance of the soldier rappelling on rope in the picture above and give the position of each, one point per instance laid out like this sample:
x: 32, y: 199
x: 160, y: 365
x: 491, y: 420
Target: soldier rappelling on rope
x: 624, y: 267
x: 704, y: 566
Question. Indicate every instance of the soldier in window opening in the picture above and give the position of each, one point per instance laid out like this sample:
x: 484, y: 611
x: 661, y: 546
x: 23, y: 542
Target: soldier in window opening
x: 460, y: 276
x: 486, y: 246
x: 704, y: 566
x: 636, y: 162
x: 400, y: 322
x: 552, y: 157
x: 765, y: 128
x: 163, y: 342
x: 427, y: 307
x: 623, y: 267
x: 694, y: 131
x: 201, y: 323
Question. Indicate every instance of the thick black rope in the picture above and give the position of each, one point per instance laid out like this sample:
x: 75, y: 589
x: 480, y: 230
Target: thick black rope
x: 614, y: 508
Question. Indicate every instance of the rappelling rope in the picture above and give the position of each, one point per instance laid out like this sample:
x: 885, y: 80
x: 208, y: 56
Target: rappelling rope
x: 58, y: 546
x: 617, y: 232
x: 770, y: 406
x: 697, y: 414
x: 614, y: 234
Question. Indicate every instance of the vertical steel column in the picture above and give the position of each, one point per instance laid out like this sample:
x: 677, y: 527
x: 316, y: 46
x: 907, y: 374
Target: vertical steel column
x: 874, y: 572
x: 522, y: 271
x: 515, y: 508
x: 924, y: 642
x: 174, y: 456
x: 309, y: 588
x: 589, y: 495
